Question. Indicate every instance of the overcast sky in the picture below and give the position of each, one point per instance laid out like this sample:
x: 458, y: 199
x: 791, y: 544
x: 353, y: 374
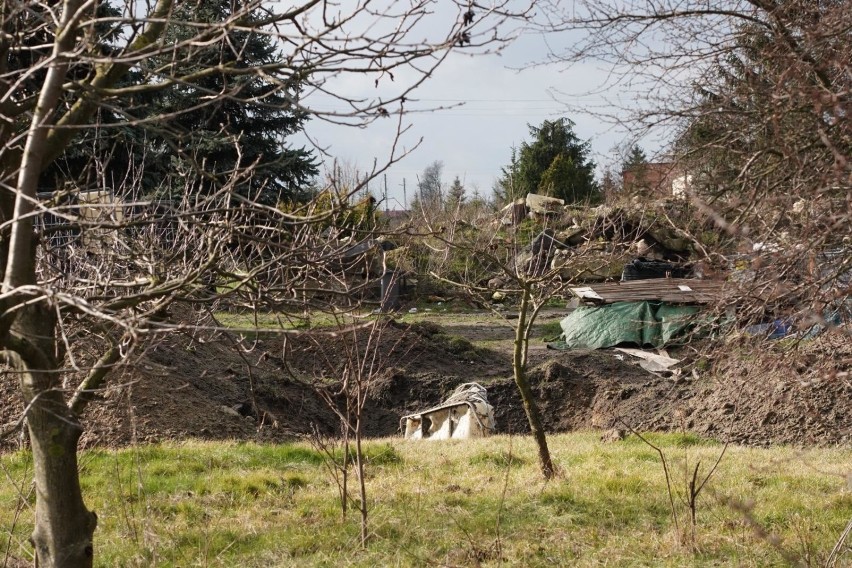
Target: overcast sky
x: 474, y: 140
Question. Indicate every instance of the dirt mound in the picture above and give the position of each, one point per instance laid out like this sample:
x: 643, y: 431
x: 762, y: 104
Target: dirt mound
x: 267, y: 389
x: 777, y: 392
x: 215, y: 387
x: 184, y: 387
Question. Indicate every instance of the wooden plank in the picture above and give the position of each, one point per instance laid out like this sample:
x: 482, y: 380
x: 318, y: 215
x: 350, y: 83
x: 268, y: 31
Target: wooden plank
x: 671, y: 290
x: 659, y: 362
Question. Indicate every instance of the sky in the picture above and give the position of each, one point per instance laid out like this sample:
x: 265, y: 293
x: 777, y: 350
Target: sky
x: 487, y: 104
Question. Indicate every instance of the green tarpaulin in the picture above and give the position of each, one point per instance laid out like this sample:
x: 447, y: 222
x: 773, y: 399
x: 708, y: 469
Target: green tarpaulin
x: 641, y: 323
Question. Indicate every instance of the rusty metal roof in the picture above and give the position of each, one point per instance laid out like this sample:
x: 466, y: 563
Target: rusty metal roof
x: 671, y: 290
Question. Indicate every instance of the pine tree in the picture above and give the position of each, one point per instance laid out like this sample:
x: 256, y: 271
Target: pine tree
x: 506, y: 188
x: 203, y: 138
x: 456, y: 194
x: 572, y: 178
x: 559, y: 178
x: 635, y: 170
x: 99, y: 157
x: 609, y: 185
x: 636, y: 157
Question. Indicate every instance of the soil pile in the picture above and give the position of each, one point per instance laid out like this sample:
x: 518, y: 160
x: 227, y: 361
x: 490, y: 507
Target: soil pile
x: 268, y: 389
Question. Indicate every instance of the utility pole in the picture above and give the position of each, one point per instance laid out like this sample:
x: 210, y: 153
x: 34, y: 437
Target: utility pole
x: 385, y: 196
x: 404, y: 196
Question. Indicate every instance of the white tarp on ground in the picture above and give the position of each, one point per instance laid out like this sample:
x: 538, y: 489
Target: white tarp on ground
x: 465, y: 414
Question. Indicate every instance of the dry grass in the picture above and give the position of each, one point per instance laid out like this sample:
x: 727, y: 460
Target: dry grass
x: 454, y: 503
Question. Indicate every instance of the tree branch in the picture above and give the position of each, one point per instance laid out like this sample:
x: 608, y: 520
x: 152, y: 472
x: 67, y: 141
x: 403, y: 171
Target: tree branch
x: 93, y: 381
x: 106, y: 77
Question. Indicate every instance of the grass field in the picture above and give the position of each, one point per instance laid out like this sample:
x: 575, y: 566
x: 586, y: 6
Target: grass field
x: 455, y: 503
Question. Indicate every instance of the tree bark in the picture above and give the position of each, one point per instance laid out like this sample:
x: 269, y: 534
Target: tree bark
x: 64, y: 528
x: 62, y: 535
x: 519, y: 368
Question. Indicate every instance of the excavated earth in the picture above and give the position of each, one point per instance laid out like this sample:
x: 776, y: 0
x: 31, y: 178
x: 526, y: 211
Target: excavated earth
x: 213, y: 385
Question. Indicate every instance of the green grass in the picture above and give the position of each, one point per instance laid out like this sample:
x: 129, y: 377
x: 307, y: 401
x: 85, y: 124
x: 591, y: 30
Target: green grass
x: 549, y: 331
x: 459, y: 503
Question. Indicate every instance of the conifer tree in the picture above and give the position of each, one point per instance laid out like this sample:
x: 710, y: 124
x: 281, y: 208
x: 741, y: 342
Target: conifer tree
x: 636, y: 157
x: 609, y: 185
x: 218, y: 137
x: 556, y: 146
x: 456, y: 193
x: 636, y: 168
x: 506, y: 188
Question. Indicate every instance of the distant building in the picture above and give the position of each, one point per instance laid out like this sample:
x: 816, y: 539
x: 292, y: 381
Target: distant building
x: 682, y: 186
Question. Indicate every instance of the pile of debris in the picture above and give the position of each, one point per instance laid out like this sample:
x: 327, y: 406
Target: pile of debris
x: 599, y: 244
x: 465, y: 414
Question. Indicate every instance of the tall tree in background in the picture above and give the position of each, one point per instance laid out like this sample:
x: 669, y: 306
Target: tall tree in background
x: 635, y: 170
x: 455, y: 194
x: 557, y: 163
x: 560, y: 180
x: 636, y: 158
x: 609, y: 185
x: 176, y: 130
x: 507, y: 188
x: 101, y: 157
x: 430, y: 190
x: 231, y: 133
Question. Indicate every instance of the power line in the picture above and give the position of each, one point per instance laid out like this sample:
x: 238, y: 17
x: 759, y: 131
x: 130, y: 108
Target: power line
x: 466, y: 100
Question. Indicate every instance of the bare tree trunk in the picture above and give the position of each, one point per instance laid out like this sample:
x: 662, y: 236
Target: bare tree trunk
x: 362, y: 487
x: 64, y: 527
x: 519, y: 367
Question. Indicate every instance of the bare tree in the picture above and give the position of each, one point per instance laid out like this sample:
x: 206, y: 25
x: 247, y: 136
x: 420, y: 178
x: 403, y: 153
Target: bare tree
x: 362, y: 360
x: 754, y: 97
x: 63, y: 66
x: 430, y: 188
x: 493, y: 265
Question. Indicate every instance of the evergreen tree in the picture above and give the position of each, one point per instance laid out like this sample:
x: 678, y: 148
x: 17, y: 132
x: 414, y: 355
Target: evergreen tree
x: 456, y: 194
x: 756, y: 114
x: 477, y: 201
x: 506, y: 188
x: 635, y: 158
x: 99, y: 157
x: 609, y: 185
x: 203, y: 138
x: 635, y: 169
x: 555, y: 149
x: 560, y: 174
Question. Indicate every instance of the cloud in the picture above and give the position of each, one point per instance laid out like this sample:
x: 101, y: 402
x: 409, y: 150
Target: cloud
x: 470, y: 113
